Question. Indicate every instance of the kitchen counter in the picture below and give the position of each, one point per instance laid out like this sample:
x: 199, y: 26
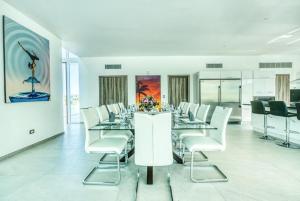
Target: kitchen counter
x: 276, y: 126
x: 288, y: 106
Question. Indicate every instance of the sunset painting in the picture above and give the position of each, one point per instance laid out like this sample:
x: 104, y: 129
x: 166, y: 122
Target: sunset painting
x: 147, y: 85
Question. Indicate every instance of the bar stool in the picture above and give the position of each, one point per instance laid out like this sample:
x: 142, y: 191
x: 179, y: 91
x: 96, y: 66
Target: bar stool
x: 278, y: 108
x: 258, y: 107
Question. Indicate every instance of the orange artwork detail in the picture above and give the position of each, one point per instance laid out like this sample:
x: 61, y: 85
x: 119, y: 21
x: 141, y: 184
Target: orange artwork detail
x: 148, y: 85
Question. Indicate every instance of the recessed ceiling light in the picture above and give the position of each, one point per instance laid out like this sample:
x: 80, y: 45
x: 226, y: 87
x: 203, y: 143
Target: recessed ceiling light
x: 293, y: 41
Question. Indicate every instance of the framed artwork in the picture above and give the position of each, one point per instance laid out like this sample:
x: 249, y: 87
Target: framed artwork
x: 148, y: 85
x: 26, y: 64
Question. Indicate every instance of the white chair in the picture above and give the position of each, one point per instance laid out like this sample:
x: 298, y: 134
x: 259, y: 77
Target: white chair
x: 214, y: 141
x: 194, y: 108
x: 104, y: 116
x: 185, y: 108
x: 180, y: 106
x: 95, y: 145
x: 122, y: 107
x: 111, y: 108
x: 117, y: 108
x: 202, y: 112
x: 201, y: 116
x: 102, y: 113
x: 153, y: 144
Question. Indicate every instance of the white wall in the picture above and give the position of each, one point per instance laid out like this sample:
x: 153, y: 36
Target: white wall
x: 91, y: 68
x: 45, y: 117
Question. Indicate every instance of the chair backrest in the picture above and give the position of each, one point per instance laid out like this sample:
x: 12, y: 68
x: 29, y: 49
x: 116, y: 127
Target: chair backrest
x: 153, y: 143
x: 186, y: 108
x: 257, y: 107
x: 90, y: 119
x: 117, y: 108
x: 111, y: 108
x: 202, y: 112
x: 278, y: 108
x: 219, y: 120
x: 298, y: 110
x: 181, y: 104
x: 122, y: 107
x: 194, y: 108
x: 102, y: 113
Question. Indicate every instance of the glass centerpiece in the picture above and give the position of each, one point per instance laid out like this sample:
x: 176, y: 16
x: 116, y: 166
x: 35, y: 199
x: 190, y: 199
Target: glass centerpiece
x: 148, y: 103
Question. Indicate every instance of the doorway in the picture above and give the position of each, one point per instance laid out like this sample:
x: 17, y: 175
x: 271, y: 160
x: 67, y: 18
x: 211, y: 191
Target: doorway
x: 71, y: 104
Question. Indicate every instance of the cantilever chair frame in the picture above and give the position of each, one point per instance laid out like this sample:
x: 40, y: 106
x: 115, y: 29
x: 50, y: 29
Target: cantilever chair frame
x: 109, y: 183
x: 192, y: 166
x: 182, y: 148
x: 138, y: 179
x: 223, y: 179
x: 100, y: 165
x: 204, y: 180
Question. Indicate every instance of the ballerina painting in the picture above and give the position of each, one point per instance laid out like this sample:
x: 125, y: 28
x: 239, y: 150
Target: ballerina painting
x: 26, y: 64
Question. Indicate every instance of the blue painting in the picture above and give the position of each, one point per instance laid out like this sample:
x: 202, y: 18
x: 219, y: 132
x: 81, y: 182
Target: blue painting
x: 26, y: 64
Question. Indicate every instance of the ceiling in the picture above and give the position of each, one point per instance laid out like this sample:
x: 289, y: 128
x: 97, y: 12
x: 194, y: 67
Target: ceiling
x: 170, y: 27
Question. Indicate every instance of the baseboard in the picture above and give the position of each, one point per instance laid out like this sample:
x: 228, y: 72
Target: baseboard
x: 29, y: 147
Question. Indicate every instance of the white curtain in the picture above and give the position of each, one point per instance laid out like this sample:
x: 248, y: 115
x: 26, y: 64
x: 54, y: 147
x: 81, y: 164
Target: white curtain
x: 282, y: 88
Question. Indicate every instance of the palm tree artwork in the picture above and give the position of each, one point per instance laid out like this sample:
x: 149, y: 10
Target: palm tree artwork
x: 146, y: 86
x: 141, y: 89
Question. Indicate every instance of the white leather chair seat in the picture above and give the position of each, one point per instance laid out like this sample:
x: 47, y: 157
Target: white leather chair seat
x: 126, y: 134
x: 202, y: 144
x: 190, y: 133
x: 107, y: 145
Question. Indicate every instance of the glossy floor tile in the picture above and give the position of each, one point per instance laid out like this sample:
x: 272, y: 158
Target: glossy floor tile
x: 258, y: 170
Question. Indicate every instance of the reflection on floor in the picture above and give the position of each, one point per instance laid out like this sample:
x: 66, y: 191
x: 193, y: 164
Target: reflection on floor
x: 257, y: 170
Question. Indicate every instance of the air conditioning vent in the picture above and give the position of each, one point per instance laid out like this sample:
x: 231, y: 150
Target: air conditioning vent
x: 113, y: 66
x: 214, y: 65
x: 276, y: 65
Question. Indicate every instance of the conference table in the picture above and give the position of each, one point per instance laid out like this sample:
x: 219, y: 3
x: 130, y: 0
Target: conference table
x: 178, y: 123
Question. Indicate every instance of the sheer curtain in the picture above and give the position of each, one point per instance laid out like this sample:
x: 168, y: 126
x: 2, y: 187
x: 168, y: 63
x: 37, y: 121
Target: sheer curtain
x: 113, y: 89
x: 282, y: 88
x: 178, y: 89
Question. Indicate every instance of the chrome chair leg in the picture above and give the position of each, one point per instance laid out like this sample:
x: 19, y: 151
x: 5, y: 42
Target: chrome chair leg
x: 137, y: 183
x: 287, y: 143
x: 109, y: 183
x: 184, y: 162
x: 265, y: 136
x: 203, y: 159
x: 170, y: 186
x: 180, y: 148
x: 112, y: 164
x: 223, y: 179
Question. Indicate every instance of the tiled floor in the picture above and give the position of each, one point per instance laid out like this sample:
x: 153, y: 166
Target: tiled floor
x: 257, y: 170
